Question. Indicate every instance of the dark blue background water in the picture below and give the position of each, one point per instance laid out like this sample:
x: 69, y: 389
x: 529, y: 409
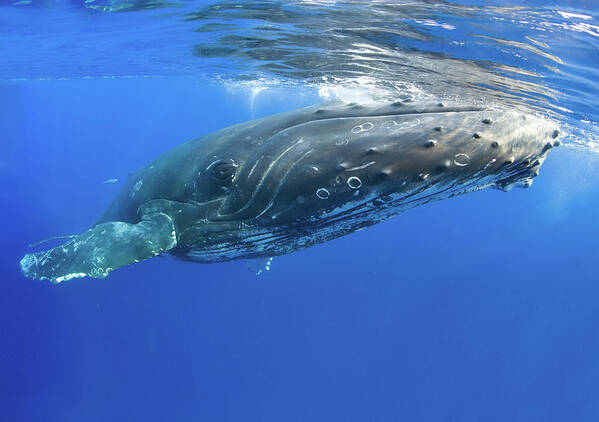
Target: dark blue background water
x: 483, y: 307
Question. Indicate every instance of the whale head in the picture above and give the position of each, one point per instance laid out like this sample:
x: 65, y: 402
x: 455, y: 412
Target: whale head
x: 357, y: 165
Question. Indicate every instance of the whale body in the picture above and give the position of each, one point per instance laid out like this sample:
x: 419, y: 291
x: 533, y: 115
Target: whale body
x: 292, y: 180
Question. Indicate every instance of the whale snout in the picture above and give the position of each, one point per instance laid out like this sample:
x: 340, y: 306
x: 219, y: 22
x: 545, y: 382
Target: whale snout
x: 488, y: 148
x: 528, y: 147
x: 473, y: 147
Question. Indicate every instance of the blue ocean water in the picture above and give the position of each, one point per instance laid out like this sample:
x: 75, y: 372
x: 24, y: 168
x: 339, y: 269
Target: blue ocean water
x: 482, y: 307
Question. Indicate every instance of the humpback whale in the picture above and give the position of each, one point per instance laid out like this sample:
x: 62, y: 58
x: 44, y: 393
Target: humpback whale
x: 285, y: 182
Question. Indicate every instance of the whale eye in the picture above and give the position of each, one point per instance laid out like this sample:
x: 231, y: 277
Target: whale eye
x: 223, y: 172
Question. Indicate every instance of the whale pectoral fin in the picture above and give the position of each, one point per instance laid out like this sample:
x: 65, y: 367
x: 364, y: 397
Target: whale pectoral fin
x: 103, y: 248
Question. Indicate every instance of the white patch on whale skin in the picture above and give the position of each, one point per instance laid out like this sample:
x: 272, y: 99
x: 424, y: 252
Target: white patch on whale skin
x: 68, y: 277
x: 136, y: 188
x: 363, y: 166
x: 363, y: 127
x: 406, y: 125
x: 461, y: 160
x: 323, y: 193
x: 354, y: 182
